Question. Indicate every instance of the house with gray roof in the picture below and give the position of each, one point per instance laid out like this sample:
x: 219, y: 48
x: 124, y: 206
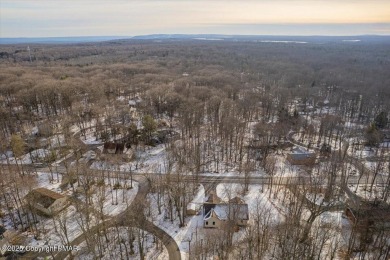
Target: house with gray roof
x: 301, y: 156
x: 216, y: 212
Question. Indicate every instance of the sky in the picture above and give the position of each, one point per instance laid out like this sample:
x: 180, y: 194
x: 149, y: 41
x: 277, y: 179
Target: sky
x: 59, y: 18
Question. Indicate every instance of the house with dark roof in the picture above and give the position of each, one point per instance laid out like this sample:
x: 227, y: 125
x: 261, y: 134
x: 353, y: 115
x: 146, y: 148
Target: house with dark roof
x: 46, y: 201
x: 210, y: 202
x: 113, y: 148
x: 301, y: 156
x: 373, y: 214
x: 368, y: 219
x: 237, y: 200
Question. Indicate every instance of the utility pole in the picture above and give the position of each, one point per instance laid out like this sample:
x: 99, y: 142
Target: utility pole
x: 189, y: 249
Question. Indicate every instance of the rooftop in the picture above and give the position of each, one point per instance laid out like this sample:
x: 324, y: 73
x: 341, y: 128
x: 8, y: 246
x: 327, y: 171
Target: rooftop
x: 213, y: 198
x: 43, y: 196
x: 226, y: 211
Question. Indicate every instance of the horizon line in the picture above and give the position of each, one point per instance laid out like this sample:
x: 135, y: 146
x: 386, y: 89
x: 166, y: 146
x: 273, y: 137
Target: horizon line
x: 189, y: 34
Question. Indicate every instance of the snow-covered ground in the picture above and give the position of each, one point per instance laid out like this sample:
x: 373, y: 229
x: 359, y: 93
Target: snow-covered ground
x: 364, y: 191
x: 256, y: 197
x: 198, y: 199
x: 150, y: 160
x: 114, y: 201
x: 113, y: 250
x: 52, y: 228
x: 193, y: 228
x: 318, y: 199
x: 60, y: 160
x: 381, y: 167
x: 193, y: 224
x: 312, y: 142
x: 322, y: 169
x: 327, y: 228
x: 35, y: 156
x: 76, y: 128
x: 257, y: 173
x: 284, y: 169
x: 57, y: 141
x: 361, y: 151
x: 49, y: 181
x: 257, y: 202
x: 50, y: 231
x: 90, y: 137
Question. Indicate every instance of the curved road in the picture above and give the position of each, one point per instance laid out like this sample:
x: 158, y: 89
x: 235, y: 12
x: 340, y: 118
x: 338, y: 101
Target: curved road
x: 133, y: 217
x: 358, y: 164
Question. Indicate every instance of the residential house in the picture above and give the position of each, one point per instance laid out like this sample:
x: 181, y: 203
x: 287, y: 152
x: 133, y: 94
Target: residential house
x: 212, y: 219
x: 217, y: 212
x: 369, y: 219
x: 211, y: 201
x: 46, y: 201
x: 6, y: 239
x: 300, y: 156
x: 372, y: 214
x: 113, y: 148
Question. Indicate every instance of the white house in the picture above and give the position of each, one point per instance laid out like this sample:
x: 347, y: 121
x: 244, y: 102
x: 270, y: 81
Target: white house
x: 215, y: 214
x: 212, y: 220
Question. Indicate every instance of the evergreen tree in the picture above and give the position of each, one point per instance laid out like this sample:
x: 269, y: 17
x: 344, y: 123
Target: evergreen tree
x: 381, y: 120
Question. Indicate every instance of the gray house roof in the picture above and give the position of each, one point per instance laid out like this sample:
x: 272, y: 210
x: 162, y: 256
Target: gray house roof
x: 299, y: 153
x: 229, y: 211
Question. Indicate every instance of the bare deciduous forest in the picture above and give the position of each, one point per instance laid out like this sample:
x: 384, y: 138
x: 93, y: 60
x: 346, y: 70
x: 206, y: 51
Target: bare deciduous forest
x: 148, y: 141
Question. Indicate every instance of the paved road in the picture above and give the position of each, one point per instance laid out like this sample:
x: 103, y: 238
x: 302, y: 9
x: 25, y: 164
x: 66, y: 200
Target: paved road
x: 132, y: 217
x: 358, y: 164
x: 254, y: 179
x: 366, y: 176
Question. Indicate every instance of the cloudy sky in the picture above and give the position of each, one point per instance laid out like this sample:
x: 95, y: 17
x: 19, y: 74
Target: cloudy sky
x: 47, y: 18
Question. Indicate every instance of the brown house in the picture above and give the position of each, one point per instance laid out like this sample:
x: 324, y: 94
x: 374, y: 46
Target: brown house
x: 7, y: 238
x: 46, y: 201
x: 373, y: 214
x: 368, y: 220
